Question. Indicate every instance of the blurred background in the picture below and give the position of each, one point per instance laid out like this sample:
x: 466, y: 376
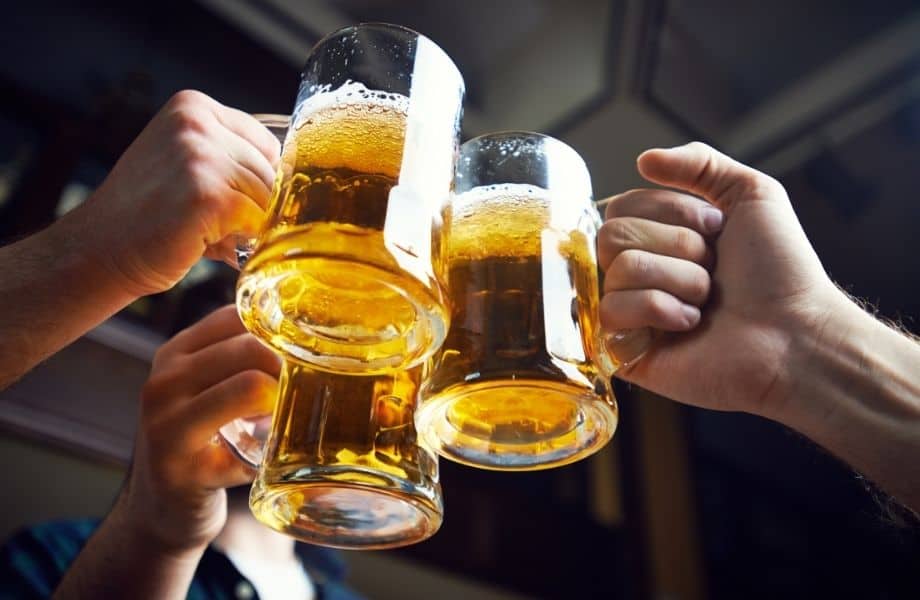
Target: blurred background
x: 684, y: 504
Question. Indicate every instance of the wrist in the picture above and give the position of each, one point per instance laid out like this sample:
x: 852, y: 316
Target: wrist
x: 844, y: 365
x: 83, y: 261
x: 813, y: 332
x: 90, y: 255
x: 140, y: 533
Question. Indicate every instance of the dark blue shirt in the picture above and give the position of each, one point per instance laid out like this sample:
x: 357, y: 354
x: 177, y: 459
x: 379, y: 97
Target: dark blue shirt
x: 34, y: 561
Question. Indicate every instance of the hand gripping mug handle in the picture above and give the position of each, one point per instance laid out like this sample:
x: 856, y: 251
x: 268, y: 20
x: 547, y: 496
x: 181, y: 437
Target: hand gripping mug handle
x: 278, y: 125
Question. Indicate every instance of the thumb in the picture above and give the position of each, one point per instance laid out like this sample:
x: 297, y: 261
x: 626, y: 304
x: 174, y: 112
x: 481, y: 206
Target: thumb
x: 701, y: 170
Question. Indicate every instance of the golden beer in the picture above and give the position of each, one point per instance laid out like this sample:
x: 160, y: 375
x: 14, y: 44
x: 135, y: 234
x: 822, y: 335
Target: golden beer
x: 516, y: 384
x: 334, y: 281
x: 343, y: 466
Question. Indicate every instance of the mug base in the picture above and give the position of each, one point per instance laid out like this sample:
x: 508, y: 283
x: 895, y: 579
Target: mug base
x: 516, y: 424
x: 323, y: 508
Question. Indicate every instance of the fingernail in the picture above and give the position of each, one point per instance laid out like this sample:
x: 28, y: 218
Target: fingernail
x: 712, y: 219
x: 691, y: 314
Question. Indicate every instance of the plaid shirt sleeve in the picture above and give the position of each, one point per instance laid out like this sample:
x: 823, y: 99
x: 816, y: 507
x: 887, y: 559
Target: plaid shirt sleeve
x: 33, y: 561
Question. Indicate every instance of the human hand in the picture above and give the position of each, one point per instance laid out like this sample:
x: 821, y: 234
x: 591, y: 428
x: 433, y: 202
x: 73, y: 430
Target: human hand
x: 198, y: 172
x: 207, y: 375
x: 767, y: 284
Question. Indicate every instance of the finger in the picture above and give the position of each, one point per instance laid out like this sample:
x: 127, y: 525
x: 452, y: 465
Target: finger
x: 632, y: 309
x: 240, y: 214
x: 638, y: 270
x: 248, y: 394
x: 221, y: 324
x: 630, y: 233
x: 253, y: 174
x: 226, y: 250
x: 212, y: 364
x: 217, y: 467
x: 668, y: 207
x: 701, y: 170
x: 248, y: 127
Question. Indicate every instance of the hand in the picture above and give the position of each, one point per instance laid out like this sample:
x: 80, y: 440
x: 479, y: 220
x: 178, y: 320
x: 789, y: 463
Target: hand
x: 198, y: 172
x: 206, y: 376
x: 767, y: 284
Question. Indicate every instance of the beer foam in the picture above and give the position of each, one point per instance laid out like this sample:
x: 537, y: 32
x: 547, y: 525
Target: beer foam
x: 499, y: 220
x: 350, y: 93
x: 350, y: 128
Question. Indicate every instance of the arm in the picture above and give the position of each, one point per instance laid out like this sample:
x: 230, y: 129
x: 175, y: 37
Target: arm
x: 121, y: 562
x: 173, y: 503
x: 853, y: 386
x: 198, y: 172
x: 51, y: 292
x: 778, y: 338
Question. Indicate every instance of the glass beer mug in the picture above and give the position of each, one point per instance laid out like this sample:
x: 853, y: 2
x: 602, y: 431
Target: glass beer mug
x: 346, y: 274
x: 339, y: 463
x: 342, y: 465
x: 523, y: 379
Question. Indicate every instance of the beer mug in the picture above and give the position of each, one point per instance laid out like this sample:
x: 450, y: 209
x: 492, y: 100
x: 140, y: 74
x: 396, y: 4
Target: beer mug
x: 347, y: 271
x: 522, y: 381
x: 342, y: 466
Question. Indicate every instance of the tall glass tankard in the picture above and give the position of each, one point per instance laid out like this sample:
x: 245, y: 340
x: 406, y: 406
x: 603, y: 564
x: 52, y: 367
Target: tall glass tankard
x: 338, y: 464
x: 346, y: 275
x: 523, y: 379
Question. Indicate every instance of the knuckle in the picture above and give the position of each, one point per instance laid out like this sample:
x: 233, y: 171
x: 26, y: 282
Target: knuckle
x: 748, y: 181
x: 699, y: 286
x: 683, y: 209
x: 203, y: 191
x: 193, y: 148
x: 255, y: 352
x: 271, y: 147
x: 163, y: 357
x: 189, y: 119
x: 156, y: 386
x: 701, y: 147
x: 684, y: 242
x: 251, y: 345
x: 753, y: 184
x: 658, y: 306
x: 187, y: 98
x: 251, y: 382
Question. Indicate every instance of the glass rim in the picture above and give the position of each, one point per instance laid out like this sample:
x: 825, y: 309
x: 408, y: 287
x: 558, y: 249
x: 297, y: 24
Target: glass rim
x: 567, y: 152
x: 523, y: 134
x: 381, y: 25
x: 391, y: 27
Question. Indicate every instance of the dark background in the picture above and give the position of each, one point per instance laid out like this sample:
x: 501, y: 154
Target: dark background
x: 822, y: 94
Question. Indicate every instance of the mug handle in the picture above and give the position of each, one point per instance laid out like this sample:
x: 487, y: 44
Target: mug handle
x: 627, y: 346
x: 246, y: 438
x: 278, y: 125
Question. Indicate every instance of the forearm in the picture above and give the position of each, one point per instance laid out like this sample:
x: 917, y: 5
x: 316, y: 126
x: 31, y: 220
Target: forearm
x: 856, y: 392
x: 120, y: 562
x: 51, y: 292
